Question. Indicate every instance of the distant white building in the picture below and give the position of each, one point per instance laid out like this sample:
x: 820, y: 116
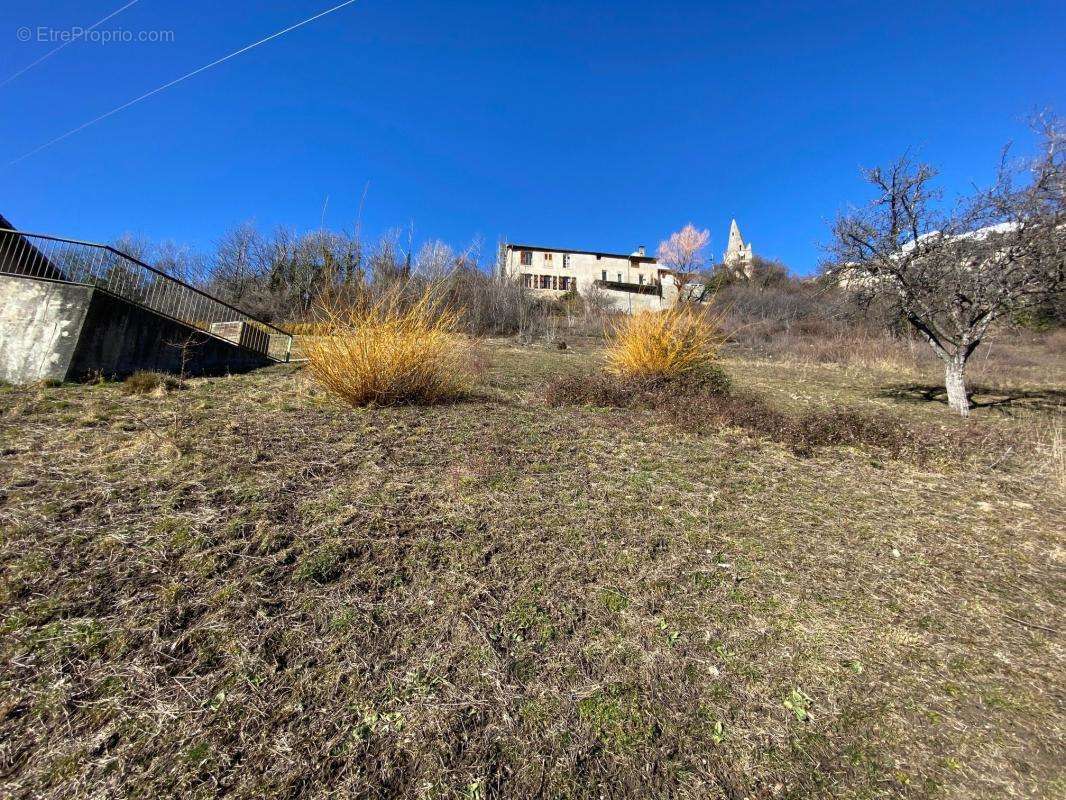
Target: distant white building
x: 634, y: 282
x: 853, y: 277
x: 738, y: 256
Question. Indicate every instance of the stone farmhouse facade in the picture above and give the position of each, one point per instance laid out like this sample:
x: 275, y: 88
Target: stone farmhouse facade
x: 629, y: 283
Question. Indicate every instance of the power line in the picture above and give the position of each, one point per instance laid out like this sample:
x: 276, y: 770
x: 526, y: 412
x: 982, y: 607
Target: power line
x: 55, y: 50
x: 176, y: 81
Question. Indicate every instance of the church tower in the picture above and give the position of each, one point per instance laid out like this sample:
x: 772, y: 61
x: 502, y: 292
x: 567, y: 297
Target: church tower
x: 738, y: 256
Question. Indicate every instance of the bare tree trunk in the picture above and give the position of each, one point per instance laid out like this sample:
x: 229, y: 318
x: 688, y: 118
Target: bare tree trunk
x: 955, y: 381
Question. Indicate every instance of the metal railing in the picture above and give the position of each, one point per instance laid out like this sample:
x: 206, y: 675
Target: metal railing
x: 38, y: 255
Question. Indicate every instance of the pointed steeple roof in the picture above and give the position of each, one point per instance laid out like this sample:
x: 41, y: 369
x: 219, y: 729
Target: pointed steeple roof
x: 735, y: 250
x: 736, y: 241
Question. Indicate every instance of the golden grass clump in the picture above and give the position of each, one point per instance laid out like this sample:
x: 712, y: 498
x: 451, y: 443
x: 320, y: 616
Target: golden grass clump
x: 679, y: 342
x: 390, y: 350
x: 305, y: 328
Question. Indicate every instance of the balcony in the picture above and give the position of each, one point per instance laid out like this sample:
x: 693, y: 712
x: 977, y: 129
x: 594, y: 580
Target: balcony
x: 655, y: 289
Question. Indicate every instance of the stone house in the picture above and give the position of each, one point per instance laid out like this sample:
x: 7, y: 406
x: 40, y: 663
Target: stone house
x: 629, y: 283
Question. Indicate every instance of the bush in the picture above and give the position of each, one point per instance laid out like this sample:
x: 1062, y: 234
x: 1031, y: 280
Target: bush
x: 304, y: 328
x: 678, y: 343
x: 804, y: 432
x: 145, y: 382
x: 489, y: 305
x: 706, y: 404
x: 391, y: 349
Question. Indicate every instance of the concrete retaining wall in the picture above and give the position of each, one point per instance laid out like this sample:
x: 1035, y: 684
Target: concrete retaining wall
x: 40, y: 323
x: 62, y: 331
x: 119, y: 338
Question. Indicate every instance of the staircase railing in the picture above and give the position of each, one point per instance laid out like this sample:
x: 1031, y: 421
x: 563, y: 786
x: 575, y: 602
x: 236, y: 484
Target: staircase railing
x: 38, y: 255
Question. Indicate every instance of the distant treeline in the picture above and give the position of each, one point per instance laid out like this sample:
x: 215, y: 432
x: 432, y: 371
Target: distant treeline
x: 281, y: 276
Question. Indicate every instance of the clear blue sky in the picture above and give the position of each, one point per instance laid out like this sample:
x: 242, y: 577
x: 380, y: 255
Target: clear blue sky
x: 571, y: 123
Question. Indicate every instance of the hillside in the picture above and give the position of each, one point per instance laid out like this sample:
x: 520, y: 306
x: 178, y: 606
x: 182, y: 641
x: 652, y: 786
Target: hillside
x: 241, y: 589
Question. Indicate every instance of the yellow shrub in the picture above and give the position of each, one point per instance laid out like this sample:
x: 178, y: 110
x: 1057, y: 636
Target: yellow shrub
x: 390, y: 350
x: 304, y: 328
x: 677, y: 343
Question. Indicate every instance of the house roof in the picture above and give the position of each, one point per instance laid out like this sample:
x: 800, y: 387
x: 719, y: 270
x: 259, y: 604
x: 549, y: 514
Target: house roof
x: 979, y: 234
x: 642, y: 259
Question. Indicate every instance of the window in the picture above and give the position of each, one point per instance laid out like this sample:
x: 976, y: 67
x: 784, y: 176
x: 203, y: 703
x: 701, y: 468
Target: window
x: 566, y: 261
x: 526, y: 258
x: 640, y: 278
x: 619, y: 277
x: 567, y: 284
x: 603, y: 276
x: 548, y: 259
x: 527, y: 281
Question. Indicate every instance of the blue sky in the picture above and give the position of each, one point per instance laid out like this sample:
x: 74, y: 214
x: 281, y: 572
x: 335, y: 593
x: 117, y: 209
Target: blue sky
x: 579, y: 124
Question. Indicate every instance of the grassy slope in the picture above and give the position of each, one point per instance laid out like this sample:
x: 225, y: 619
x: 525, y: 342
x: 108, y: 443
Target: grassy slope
x: 268, y: 595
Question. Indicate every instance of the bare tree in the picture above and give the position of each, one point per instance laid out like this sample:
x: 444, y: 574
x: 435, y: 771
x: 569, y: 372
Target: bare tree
x: 434, y: 261
x: 280, y: 256
x: 323, y: 261
x: 180, y: 261
x: 683, y: 254
x: 388, y: 264
x: 135, y: 245
x: 597, y: 303
x: 953, y: 274
x: 237, y: 270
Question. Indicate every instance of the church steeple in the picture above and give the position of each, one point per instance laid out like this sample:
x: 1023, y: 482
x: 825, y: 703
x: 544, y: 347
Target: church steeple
x: 736, y: 242
x: 737, y: 254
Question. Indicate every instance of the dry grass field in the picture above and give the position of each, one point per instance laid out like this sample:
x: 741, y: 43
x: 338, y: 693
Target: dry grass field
x: 240, y: 588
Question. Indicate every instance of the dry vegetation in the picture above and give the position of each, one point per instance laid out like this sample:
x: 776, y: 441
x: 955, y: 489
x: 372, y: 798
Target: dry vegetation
x: 390, y: 349
x: 146, y: 382
x: 708, y: 404
x: 679, y: 343
x: 500, y: 598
